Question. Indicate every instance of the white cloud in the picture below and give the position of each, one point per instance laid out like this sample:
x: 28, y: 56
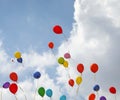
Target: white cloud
x: 94, y: 38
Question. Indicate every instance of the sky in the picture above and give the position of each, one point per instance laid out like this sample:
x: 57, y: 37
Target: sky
x: 91, y: 31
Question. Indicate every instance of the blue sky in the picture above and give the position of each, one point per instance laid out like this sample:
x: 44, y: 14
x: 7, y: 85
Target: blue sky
x: 92, y: 28
x: 28, y: 23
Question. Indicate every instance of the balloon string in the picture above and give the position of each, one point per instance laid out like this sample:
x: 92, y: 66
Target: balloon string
x: 35, y: 94
x: 67, y: 42
x: 115, y: 97
x: 53, y: 53
x: 65, y: 37
x: 68, y: 74
x: 16, y: 97
x: 23, y: 92
x: 77, y: 90
x: 77, y: 93
x: 97, y: 95
x: 36, y: 90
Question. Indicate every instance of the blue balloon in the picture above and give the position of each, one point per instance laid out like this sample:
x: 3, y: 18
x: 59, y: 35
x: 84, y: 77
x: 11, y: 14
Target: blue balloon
x: 36, y: 75
x: 19, y: 60
x: 49, y: 93
x: 63, y: 97
x: 96, y: 88
x: 103, y: 98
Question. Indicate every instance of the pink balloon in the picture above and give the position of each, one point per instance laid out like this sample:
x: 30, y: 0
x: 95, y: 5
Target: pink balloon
x: 67, y: 55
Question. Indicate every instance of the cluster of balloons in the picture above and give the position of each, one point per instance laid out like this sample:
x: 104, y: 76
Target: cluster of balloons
x: 42, y: 92
x: 78, y: 81
x: 17, y: 55
x: 13, y: 88
x: 63, y: 62
x: 57, y: 29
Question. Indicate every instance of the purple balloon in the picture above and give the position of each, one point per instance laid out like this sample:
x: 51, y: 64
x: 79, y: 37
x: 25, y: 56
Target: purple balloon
x: 6, y: 85
x: 67, y: 55
x: 103, y: 98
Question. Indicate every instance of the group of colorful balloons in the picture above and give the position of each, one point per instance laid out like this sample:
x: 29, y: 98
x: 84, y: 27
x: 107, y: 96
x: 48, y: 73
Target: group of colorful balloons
x: 18, y: 56
x: 94, y: 68
x: 13, y: 87
x: 63, y: 62
x: 96, y: 88
x: 42, y: 92
x: 57, y: 29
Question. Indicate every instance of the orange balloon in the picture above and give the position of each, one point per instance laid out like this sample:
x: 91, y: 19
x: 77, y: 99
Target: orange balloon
x: 51, y: 45
x: 71, y: 82
x: 94, y: 68
x: 92, y: 96
x: 13, y: 76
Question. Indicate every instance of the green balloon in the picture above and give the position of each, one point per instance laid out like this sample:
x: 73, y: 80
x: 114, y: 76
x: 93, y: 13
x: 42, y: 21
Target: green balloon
x: 41, y: 91
x: 61, y: 60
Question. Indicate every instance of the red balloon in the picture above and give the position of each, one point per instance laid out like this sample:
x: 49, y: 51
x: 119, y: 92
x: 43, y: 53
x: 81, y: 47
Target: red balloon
x: 92, y: 96
x: 71, y: 82
x: 51, y: 45
x: 112, y: 90
x: 13, y: 88
x: 80, y: 68
x: 57, y: 29
x: 13, y: 76
x: 94, y: 67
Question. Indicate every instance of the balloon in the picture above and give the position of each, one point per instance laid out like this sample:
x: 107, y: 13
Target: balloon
x: 94, y: 67
x: 41, y: 91
x: 96, y: 88
x: 19, y: 60
x: 103, y: 98
x: 71, y: 82
x: 61, y: 60
x: 37, y: 75
x: 13, y: 88
x: 17, y: 54
x: 49, y: 92
x: 80, y: 68
x: 57, y: 29
x: 63, y: 97
x: 51, y: 45
x: 112, y: 90
x: 6, y: 85
x: 13, y: 76
x: 67, y: 55
x: 92, y: 96
x: 65, y: 64
x: 78, y: 80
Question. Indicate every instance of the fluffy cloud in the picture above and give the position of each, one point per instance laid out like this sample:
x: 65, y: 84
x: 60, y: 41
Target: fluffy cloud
x: 95, y: 38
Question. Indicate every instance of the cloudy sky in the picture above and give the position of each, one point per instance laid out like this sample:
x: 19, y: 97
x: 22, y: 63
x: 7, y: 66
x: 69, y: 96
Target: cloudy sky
x: 92, y: 30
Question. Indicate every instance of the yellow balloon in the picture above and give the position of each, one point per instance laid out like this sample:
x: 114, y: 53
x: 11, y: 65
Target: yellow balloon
x: 78, y: 80
x: 17, y: 54
x: 65, y: 64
